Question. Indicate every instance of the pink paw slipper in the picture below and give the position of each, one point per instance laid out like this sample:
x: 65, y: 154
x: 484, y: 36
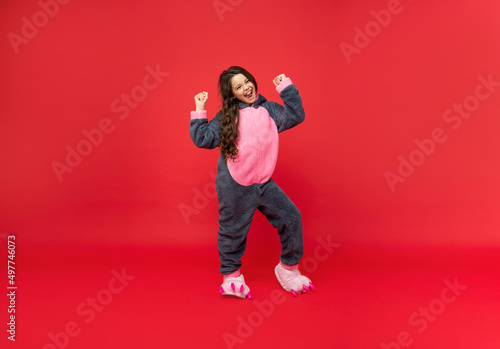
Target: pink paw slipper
x: 292, y: 281
x: 235, y: 286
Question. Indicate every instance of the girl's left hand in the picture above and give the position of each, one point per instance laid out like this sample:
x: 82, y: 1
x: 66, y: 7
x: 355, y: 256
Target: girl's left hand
x: 277, y: 80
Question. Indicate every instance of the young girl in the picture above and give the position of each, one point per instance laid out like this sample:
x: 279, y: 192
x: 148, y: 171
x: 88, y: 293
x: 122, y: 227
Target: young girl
x: 246, y: 131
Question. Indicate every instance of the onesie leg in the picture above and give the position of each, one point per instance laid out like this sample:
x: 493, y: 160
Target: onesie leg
x: 237, y: 205
x: 292, y: 280
x: 232, y: 242
x: 285, y: 216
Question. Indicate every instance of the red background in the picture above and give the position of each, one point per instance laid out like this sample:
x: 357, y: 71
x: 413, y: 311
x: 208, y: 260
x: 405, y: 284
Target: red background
x: 362, y: 113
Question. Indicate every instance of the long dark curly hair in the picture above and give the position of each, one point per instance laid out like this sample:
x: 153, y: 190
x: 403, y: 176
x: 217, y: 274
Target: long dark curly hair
x: 230, y: 111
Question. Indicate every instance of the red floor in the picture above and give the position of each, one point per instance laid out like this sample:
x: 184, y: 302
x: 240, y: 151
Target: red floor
x: 165, y: 298
x: 399, y: 146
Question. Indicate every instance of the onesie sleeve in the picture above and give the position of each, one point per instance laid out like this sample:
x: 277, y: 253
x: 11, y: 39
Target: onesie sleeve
x: 292, y: 113
x: 205, y: 134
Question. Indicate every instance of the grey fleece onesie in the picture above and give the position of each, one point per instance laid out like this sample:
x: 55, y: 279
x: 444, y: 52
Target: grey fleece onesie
x: 245, y: 184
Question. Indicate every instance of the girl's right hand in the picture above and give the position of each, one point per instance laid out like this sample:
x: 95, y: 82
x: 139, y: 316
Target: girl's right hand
x: 200, y: 100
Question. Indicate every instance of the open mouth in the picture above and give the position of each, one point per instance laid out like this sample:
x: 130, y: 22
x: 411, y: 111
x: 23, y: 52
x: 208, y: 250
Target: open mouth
x: 249, y: 94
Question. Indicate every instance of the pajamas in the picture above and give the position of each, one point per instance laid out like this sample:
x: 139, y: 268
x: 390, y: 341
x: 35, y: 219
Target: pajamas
x: 245, y: 185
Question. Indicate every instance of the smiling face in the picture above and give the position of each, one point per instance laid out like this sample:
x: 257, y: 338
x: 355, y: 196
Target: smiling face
x: 243, y: 89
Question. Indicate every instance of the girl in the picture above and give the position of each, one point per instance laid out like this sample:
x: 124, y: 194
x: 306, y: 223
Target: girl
x: 246, y: 131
